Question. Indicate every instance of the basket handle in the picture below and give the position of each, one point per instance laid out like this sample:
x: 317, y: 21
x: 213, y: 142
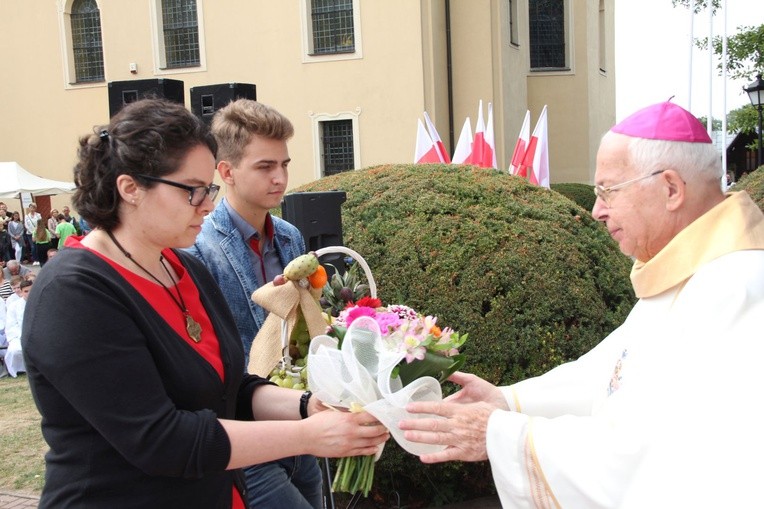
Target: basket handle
x: 357, y: 257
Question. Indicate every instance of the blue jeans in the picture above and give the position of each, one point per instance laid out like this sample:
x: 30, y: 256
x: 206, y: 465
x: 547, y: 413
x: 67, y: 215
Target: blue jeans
x: 293, y: 483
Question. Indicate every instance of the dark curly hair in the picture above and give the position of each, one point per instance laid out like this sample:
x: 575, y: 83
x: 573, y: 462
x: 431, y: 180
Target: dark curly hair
x: 149, y: 136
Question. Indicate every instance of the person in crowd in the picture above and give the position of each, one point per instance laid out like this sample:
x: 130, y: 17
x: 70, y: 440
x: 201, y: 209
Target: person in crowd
x: 6, y: 246
x: 52, y: 252
x: 16, y: 231
x: 42, y: 242
x: 663, y: 412
x: 5, y: 286
x: 64, y: 230
x: 31, y: 219
x: 84, y: 226
x: 5, y: 216
x: 14, y: 268
x: 69, y: 218
x: 143, y: 397
x: 52, y: 224
x: 14, y: 359
x: 244, y: 247
x: 3, y: 340
x: 15, y: 283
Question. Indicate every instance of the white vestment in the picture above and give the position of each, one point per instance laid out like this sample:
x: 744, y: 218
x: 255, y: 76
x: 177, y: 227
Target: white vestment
x: 647, y: 417
x: 14, y: 360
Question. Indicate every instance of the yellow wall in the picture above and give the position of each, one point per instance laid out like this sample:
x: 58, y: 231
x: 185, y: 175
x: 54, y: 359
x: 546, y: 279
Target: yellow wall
x: 402, y: 72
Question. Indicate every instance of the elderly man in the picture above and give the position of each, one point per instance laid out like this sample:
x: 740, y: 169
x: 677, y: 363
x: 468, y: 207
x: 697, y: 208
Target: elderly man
x: 14, y: 268
x: 665, y: 411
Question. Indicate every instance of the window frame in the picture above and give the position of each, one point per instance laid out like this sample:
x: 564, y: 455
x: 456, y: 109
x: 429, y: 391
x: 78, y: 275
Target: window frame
x: 160, y: 54
x: 316, y: 120
x: 306, y: 21
x: 568, y: 66
x: 66, y: 43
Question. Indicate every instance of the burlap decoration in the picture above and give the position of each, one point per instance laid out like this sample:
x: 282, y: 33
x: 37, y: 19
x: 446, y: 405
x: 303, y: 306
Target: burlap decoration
x: 282, y: 302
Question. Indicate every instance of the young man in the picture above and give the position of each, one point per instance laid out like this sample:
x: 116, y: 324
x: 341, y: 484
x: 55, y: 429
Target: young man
x: 245, y: 247
x: 64, y: 230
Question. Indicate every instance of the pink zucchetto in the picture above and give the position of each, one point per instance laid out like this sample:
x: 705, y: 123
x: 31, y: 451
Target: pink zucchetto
x: 663, y: 121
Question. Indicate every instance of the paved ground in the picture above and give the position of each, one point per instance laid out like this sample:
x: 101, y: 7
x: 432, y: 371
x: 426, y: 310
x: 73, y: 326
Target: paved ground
x: 15, y: 501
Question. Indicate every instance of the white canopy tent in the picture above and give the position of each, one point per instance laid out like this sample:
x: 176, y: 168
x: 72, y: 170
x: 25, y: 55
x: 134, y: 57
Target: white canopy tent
x: 15, y: 180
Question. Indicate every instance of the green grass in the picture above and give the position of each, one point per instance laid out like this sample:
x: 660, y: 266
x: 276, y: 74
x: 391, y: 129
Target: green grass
x: 22, y: 465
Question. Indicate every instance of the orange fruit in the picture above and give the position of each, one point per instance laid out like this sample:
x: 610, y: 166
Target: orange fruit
x: 319, y: 278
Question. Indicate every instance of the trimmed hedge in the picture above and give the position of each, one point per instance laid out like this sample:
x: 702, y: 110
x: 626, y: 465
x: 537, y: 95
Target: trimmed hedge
x: 583, y: 194
x: 754, y: 184
x: 533, y: 280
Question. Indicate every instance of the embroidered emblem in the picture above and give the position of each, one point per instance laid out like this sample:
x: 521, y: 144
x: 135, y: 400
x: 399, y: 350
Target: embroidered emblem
x: 615, y: 380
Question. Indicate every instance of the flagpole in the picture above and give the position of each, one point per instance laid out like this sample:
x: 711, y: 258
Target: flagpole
x: 689, y: 60
x: 710, y: 123
x: 724, y: 87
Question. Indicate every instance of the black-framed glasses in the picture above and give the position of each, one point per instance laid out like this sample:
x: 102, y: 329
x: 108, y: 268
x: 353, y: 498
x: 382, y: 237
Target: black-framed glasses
x: 196, y: 194
x: 604, y: 192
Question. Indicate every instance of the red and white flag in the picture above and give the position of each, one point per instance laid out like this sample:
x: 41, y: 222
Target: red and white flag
x: 482, y: 152
x: 463, y: 148
x: 537, y: 155
x: 489, y: 138
x: 425, y: 151
x: 521, y: 146
x: 436, y: 138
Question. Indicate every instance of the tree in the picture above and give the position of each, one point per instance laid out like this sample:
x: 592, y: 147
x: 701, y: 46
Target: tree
x: 699, y: 4
x: 716, y: 124
x: 745, y: 51
x: 744, y: 120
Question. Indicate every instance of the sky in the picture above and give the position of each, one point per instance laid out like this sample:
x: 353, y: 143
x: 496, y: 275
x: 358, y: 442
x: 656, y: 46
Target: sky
x: 652, y: 54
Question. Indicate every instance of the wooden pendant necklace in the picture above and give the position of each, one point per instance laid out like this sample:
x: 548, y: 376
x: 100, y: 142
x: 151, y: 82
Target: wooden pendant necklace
x: 193, y: 328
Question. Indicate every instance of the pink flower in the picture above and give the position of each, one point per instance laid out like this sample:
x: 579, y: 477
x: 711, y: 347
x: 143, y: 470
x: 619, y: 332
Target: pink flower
x: 358, y: 311
x: 388, y: 322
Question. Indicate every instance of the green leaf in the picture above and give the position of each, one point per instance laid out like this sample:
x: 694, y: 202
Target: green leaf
x: 434, y: 365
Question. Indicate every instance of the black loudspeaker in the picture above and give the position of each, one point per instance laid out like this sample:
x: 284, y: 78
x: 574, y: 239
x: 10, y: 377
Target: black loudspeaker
x: 318, y: 216
x: 208, y: 99
x: 125, y: 92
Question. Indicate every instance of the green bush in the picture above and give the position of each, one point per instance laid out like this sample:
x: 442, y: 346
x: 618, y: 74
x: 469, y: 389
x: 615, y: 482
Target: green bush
x: 582, y: 194
x: 532, y: 279
x: 754, y: 184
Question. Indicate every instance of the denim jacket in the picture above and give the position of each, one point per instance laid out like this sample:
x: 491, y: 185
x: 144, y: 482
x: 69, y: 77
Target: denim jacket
x: 226, y: 254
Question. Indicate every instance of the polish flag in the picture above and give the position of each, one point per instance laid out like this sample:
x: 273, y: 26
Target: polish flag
x: 463, y: 148
x: 537, y: 155
x: 425, y: 151
x: 436, y: 138
x: 520, y: 146
x: 489, y: 139
x: 482, y: 152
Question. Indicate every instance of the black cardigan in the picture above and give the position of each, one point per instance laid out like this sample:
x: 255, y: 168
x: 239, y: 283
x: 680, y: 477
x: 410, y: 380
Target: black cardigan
x: 129, y: 409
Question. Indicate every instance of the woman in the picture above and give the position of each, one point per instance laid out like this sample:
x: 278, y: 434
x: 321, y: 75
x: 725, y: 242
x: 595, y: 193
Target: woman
x: 52, y: 223
x: 16, y: 231
x: 31, y: 219
x: 41, y: 240
x: 143, y: 396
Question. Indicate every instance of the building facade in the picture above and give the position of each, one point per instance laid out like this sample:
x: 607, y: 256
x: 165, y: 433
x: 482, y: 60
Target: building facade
x: 353, y: 76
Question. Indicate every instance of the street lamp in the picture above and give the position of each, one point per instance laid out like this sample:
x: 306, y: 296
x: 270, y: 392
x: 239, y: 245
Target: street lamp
x: 755, y: 92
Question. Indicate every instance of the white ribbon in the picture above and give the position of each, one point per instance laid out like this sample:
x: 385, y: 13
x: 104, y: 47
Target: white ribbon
x: 360, y: 374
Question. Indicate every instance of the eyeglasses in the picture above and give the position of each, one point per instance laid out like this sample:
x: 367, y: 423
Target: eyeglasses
x: 604, y: 192
x: 196, y: 194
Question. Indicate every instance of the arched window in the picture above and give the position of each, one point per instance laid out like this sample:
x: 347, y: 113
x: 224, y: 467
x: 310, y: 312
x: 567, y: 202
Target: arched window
x: 86, y: 41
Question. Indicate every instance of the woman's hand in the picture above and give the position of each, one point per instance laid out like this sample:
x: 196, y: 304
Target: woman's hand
x: 334, y: 434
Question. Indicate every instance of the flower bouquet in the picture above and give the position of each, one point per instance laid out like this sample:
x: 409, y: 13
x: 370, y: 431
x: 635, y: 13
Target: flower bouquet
x: 378, y: 358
